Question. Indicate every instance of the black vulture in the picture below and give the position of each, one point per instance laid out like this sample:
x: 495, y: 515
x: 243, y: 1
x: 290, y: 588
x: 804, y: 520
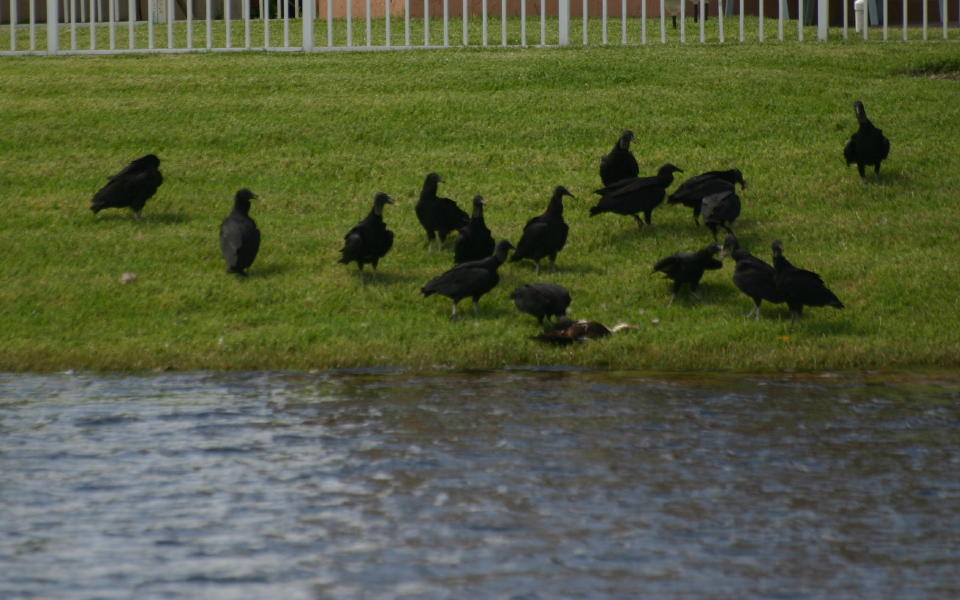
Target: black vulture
x: 542, y: 300
x: 692, y: 191
x: 474, y: 241
x: 469, y: 279
x: 239, y: 236
x: 439, y: 216
x: 620, y: 163
x: 132, y: 186
x: 635, y: 195
x: 752, y: 276
x: 721, y: 210
x: 867, y: 146
x: 688, y: 267
x: 798, y: 287
x: 370, y: 239
x: 567, y: 331
x: 546, y: 235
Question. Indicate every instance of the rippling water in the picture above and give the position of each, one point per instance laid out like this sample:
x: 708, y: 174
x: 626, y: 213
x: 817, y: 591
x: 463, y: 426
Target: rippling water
x: 514, y: 484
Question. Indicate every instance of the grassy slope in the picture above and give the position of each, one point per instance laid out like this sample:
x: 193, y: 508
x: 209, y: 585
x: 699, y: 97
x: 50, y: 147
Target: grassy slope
x: 315, y: 136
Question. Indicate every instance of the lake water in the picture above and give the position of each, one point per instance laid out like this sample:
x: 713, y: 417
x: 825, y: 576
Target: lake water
x: 514, y: 484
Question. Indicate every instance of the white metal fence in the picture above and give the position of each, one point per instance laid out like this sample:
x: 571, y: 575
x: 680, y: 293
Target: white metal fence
x: 119, y: 26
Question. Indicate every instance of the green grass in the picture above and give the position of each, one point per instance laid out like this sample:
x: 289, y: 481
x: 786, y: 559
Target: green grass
x: 317, y: 135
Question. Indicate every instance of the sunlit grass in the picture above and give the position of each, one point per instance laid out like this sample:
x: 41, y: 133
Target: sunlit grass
x: 317, y: 135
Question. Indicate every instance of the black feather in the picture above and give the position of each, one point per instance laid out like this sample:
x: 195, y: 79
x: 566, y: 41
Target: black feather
x: 469, y: 279
x: 799, y: 287
x: 620, y: 162
x: 239, y: 236
x: 131, y: 187
x: 545, y: 236
x: 475, y: 241
x: 635, y: 195
x: 686, y: 268
x: 867, y: 146
x: 541, y: 300
x: 369, y: 240
x: 439, y: 216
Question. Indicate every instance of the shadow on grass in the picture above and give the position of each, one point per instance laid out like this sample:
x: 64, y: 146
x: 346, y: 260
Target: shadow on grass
x: 487, y: 312
x: 711, y: 293
x: 148, y: 218
x: 889, y: 178
x: 698, y: 236
x: 384, y: 278
x: 813, y: 321
x: 525, y: 270
x: 814, y: 324
x: 268, y: 270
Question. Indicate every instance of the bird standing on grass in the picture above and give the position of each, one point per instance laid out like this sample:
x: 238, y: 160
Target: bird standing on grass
x: 688, y: 267
x: 542, y: 300
x: 370, y: 239
x: 752, y: 276
x: 799, y: 287
x: 636, y: 195
x: 475, y: 241
x: 692, y: 191
x: 721, y: 210
x: 239, y: 236
x: 469, y: 279
x: 867, y: 146
x: 546, y: 235
x: 131, y: 187
x: 620, y: 163
x: 439, y: 216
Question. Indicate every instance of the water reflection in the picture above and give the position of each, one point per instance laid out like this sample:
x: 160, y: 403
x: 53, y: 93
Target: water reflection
x: 511, y: 484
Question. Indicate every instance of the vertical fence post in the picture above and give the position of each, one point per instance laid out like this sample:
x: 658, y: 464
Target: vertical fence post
x: 131, y: 14
x: 760, y: 17
x: 307, y: 13
x: 564, y: 25
x: 702, y: 17
x: 823, y: 19
x: 904, y: 20
x: 663, y: 22
x: 944, y: 18
x: 925, y: 15
x: 603, y: 19
x: 683, y: 22
x: 53, y: 31
x: 208, y: 17
x: 720, y: 9
x: 741, y: 21
x: 483, y: 23
x: 643, y: 20
x: 885, y: 15
x: 800, y: 20
x: 844, y: 4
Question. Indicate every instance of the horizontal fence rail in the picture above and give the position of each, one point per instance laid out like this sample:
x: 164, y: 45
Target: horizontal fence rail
x: 120, y: 26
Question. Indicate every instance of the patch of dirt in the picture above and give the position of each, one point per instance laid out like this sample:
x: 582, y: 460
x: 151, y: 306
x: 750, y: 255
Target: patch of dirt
x: 955, y: 76
x: 945, y: 70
